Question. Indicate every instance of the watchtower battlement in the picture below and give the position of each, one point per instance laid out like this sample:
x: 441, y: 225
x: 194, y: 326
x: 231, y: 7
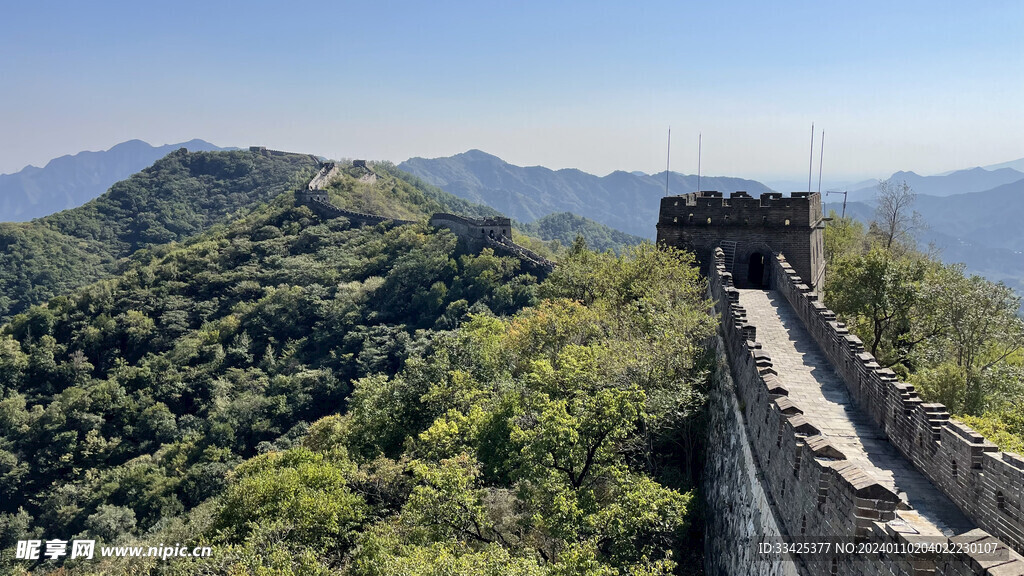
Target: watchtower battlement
x: 494, y: 233
x: 748, y: 230
x: 474, y: 232
x: 772, y: 209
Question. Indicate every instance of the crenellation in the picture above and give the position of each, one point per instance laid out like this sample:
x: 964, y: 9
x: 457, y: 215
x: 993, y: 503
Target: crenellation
x: 786, y: 406
x: 787, y: 444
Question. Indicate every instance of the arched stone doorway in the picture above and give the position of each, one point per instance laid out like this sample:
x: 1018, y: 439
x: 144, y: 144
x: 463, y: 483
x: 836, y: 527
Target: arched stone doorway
x: 757, y: 265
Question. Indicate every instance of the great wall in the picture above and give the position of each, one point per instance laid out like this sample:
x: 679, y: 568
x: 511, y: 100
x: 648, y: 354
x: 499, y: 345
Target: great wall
x: 473, y: 234
x: 812, y: 441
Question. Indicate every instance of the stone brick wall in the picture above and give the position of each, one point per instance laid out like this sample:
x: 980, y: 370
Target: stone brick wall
x: 494, y: 233
x: 327, y: 172
x: 741, y: 514
x: 264, y: 151
x: 815, y: 494
x: 986, y: 484
x: 307, y: 196
x: 530, y: 259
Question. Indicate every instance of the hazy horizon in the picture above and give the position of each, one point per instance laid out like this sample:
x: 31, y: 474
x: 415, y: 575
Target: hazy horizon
x: 793, y: 184
x: 921, y: 86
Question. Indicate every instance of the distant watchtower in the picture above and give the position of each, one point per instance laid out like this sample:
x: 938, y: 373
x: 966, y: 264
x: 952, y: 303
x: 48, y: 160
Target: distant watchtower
x: 748, y: 230
x: 307, y: 196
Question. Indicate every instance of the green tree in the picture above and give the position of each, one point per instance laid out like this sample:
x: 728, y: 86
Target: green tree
x: 844, y: 237
x: 302, y: 492
x: 878, y: 292
x: 982, y: 330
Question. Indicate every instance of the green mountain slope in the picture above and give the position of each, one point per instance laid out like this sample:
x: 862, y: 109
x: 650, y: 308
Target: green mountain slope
x: 565, y: 226
x: 179, y: 196
x: 387, y: 191
x: 311, y: 398
x: 128, y: 401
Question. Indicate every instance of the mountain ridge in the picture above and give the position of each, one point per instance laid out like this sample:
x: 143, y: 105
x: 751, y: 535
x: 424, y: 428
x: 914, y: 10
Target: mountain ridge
x: 179, y: 196
x: 621, y: 200
x: 566, y: 226
x: 71, y: 180
x: 966, y: 181
x: 1017, y: 165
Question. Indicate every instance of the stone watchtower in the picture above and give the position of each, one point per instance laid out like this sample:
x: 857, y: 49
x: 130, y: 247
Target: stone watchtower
x: 307, y: 196
x: 748, y: 230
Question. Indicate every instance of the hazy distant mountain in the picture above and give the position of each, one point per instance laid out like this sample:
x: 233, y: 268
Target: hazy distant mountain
x: 787, y: 186
x: 989, y: 219
x: 1017, y: 165
x: 992, y: 217
x: 980, y: 229
x: 959, y: 182
x: 625, y: 201
x: 70, y: 181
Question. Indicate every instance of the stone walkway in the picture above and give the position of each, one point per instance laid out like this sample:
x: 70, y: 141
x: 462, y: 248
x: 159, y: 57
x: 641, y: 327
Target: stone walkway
x: 817, y: 390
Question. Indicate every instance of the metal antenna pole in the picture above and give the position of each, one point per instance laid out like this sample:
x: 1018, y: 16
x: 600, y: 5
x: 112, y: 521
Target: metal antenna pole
x: 810, y: 165
x: 700, y: 141
x: 668, y: 159
x: 822, y: 159
x: 845, y: 193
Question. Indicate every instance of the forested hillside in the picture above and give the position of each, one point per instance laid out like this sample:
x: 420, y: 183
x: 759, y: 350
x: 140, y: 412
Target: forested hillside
x: 179, y: 196
x: 565, y: 226
x: 307, y: 397
x: 70, y: 181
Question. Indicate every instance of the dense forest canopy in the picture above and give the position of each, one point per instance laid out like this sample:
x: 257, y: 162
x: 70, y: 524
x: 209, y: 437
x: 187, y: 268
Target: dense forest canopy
x: 311, y: 397
x: 139, y: 393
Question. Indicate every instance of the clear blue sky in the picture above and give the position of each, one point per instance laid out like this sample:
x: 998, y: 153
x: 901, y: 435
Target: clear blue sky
x: 925, y: 86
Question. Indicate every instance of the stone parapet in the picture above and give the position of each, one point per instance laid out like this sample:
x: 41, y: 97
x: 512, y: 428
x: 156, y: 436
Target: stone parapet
x: 327, y: 210
x: 983, y: 482
x: 816, y: 493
